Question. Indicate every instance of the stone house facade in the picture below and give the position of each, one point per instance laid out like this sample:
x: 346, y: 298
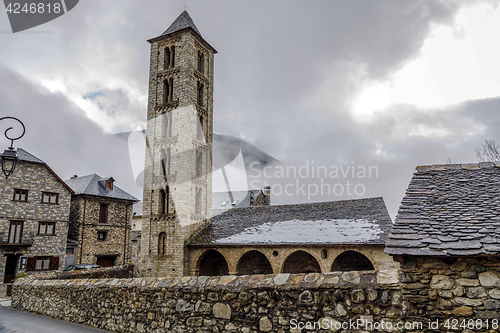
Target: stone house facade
x: 447, y: 238
x: 100, y: 221
x: 34, y: 216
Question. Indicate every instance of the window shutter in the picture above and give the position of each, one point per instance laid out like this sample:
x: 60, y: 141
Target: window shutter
x: 54, y: 263
x: 31, y: 264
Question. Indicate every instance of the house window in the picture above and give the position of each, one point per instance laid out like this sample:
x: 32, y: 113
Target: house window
x: 15, y: 232
x: 46, y: 228
x: 109, y: 184
x: 20, y: 195
x: 50, y: 198
x: 42, y: 263
x: 162, y: 244
x: 102, y: 235
x: 103, y: 213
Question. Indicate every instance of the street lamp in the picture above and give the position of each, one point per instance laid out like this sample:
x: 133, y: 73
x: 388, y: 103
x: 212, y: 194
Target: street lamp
x: 9, y: 157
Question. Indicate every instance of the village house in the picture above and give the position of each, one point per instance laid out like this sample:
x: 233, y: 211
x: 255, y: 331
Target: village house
x: 100, y: 221
x: 34, y: 216
x: 446, y: 237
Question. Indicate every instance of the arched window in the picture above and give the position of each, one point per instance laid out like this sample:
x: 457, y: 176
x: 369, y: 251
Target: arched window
x: 198, y: 201
x: 169, y: 157
x: 167, y: 199
x: 164, y: 201
x: 352, y: 261
x: 164, y: 162
x: 200, y: 128
x: 162, y: 244
x: 162, y: 209
x: 167, y: 125
x: 169, y: 57
x: 200, y: 94
x: 254, y: 262
x: 168, y: 90
x: 212, y: 263
x: 301, y: 262
x: 172, y: 57
x: 201, y: 62
x: 199, y: 164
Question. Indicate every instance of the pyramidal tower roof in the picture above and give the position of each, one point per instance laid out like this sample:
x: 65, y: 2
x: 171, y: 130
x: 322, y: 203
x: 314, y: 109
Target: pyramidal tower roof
x: 182, y: 22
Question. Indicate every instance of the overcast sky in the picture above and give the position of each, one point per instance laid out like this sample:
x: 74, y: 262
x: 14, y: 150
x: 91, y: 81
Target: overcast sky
x: 391, y: 84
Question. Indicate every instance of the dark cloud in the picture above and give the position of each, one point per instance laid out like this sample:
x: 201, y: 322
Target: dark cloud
x: 285, y: 76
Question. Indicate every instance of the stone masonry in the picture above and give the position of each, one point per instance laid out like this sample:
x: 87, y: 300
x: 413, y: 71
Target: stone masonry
x: 34, y: 176
x: 177, y: 177
x: 85, y: 225
x: 452, y: 288
x: 258, y: 303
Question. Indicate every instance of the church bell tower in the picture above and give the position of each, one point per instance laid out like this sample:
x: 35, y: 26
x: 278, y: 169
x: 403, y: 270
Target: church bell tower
x: 177, y: 175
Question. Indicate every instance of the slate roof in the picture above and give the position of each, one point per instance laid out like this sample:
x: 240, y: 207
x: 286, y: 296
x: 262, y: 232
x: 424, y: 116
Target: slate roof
x: 23, y: 155
x: 182, y: 22
x: 90, y: 185
x: 362, y: 221
x: 449, y: 210
x: 222, y: 200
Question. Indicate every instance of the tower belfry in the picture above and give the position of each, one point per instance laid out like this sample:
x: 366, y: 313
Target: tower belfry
x: 177, y: 175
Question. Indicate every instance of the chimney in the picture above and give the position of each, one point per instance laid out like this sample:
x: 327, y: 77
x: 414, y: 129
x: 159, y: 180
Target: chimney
x: 267, y: 195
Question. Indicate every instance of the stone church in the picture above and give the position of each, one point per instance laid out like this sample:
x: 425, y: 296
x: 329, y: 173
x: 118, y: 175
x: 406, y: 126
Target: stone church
x: 181, y: 234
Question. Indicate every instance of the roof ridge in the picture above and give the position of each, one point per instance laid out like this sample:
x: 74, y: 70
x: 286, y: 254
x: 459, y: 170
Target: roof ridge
x: 457, y: 166
x: 307, y: 203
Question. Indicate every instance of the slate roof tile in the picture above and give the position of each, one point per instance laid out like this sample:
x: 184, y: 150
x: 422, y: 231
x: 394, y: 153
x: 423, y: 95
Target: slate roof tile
x: 90, y: 185
x: 362, y: 221
x: 183, y: 21
x: 458, y: 203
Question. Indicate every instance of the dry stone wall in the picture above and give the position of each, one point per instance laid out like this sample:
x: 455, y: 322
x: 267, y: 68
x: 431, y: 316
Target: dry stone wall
x: 453, y: 292
x: 257, y: 303
x: 425, y: 295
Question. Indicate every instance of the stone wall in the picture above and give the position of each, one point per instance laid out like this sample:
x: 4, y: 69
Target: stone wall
x: 118, y: 272
x: 36, y: 178
x: 258, y: 303
x: 440, y: 289
x: 85, y: 224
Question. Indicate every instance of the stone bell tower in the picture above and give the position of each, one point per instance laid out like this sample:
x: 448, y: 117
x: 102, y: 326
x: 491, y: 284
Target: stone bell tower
x: 177, y: 176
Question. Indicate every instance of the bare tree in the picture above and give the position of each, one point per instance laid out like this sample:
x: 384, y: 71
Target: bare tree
x: 489, y: 152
